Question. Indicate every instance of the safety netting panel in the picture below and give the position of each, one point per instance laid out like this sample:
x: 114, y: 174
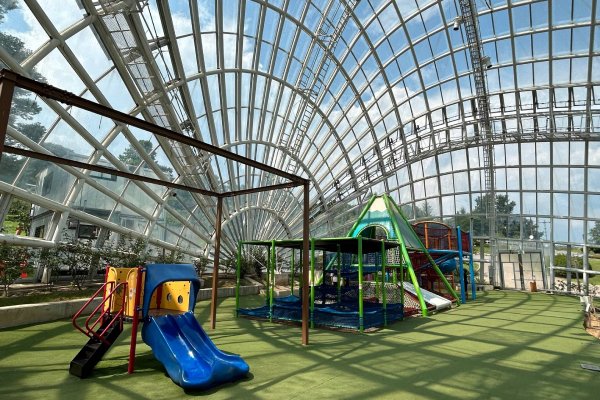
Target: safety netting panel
x: 418, y: 260
x: 394, y: 256
x: 255, y: 306
x: 326, y: 294
x: 328, y: 268
x: 373, y: 292
x: 435, y: 235
x: 261, y: 312
x: 287, y: 308
x: 393, y: 293
x: 348, y: 261
x: 348, y: 315
x: 466, y: 243
x: 438, y: 236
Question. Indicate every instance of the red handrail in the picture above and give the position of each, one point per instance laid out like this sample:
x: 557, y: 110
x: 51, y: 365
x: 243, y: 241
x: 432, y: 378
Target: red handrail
x: 107, y: 297
x: 85, y: 306
x: 107, y: 311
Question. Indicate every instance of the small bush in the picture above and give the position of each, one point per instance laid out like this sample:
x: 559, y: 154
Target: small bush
x: 201, y: 263
x: 14, y: 262
x: 76, y: 255
x: 560, y: 260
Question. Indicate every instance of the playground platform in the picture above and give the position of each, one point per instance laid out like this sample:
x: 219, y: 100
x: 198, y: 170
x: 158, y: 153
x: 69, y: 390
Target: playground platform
x: 503, y: 345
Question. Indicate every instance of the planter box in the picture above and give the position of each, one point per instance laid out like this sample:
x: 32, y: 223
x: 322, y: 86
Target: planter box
x: 25, y: 314
x: 206, y: 294
x: 282, y: 278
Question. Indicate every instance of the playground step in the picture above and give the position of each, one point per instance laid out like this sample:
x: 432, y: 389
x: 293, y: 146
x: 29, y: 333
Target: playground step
x: 93, y: 351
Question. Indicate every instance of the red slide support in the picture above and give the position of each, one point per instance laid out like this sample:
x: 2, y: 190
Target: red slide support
x: 136, y: 321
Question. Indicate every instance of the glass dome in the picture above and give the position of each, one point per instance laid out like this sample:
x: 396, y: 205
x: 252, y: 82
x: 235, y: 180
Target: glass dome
x: 360, y: 97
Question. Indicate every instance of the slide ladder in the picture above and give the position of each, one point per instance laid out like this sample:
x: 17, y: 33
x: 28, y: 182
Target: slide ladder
x: 102, y: 338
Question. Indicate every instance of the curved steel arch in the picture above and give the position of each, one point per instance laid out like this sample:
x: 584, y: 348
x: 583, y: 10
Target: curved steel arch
x: 433, y: 142
x: 245, y: 210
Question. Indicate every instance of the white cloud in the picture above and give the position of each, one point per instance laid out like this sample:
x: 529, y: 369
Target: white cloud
x: 31, y: 32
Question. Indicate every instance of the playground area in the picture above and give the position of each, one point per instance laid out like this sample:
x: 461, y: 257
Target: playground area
x: 502, y: 345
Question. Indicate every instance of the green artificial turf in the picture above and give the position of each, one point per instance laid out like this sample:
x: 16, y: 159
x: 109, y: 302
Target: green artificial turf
x: 505, y: 345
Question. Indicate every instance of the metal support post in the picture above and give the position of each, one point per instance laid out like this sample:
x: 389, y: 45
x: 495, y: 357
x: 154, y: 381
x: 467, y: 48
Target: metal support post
x: 471, y: 269
x: 463, y: 289
x: 305, y: 236
x: 237, y: 282
x: 7, y: 89
x: 360, y: 282
x: 383, y: 283
x: 312, y: 282
x: 292, y: 272
x: 136, y: 321
x: 272, y: 287
x: 339, y: 274
x: 215, y: 282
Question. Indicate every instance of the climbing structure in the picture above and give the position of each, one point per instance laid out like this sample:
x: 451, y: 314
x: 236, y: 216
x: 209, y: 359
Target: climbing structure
x: 382, y: 213
x: 446, y: 245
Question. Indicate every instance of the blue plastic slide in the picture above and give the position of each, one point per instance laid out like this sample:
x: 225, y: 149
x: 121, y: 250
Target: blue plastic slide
x: 188, y: 354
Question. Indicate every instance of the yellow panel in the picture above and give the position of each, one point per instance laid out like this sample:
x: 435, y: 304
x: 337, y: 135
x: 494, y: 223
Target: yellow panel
x: 131, y: 289
x: 176, y: 296
x: 131, y: 284
x: 117, y: 275
x: 110, y: 277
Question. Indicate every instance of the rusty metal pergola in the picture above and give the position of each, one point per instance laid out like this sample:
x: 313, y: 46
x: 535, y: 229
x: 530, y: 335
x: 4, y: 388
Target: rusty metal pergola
x: 9, y: 80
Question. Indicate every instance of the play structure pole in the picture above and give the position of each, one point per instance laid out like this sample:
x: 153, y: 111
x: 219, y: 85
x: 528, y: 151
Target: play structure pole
x: 312, y: 282
x: 300, y: 280
x: 377, y: 284
x: 272, y: 288
x: 471, y: 270
x: 339, y: 273
x: 463, y: 289
x: 383, y: 283
x: 237, y: 282
x: 7, y: 89
x: 305, y: 236
x: 401, y: 284
x: 360, y: 282
x: 407, y: 259
x: 433, y: 264
x: 215, y: 282
x: 267, y: 289
x: 292, y: 272
x: 136, y: 321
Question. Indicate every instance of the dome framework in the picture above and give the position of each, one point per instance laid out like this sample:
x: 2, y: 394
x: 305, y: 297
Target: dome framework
x: 359, y: 97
